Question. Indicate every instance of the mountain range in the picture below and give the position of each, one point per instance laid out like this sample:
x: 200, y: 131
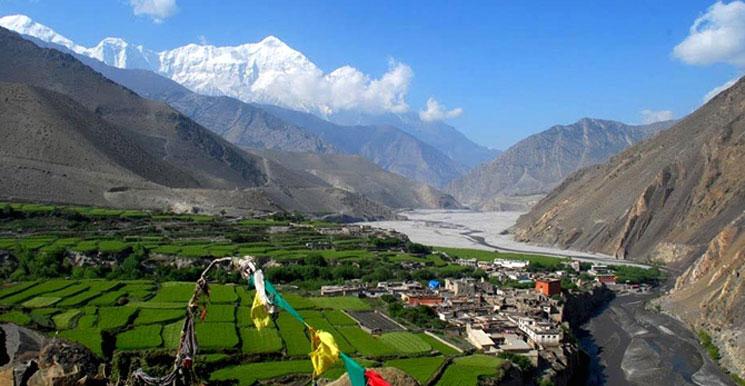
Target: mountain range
x: 253, y: 73
x: 677, y: 199
x: 540, y: 162
x: 72, y: 135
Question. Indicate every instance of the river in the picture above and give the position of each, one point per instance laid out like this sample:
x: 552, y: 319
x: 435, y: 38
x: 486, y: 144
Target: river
x: 628, y: 344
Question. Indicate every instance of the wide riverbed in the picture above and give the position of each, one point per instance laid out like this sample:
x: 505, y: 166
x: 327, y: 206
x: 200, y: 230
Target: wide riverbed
x: 477, y: 230
x: 628, y: 344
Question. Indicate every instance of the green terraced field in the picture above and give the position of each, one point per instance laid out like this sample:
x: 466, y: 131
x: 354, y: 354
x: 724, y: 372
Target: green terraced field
x: 40, y: 301
x: 338, y: 318
x: 223, y: 294
x: 366, y: 344
x: 89, y: 337
x: 12, y: 289
x: 422, y: 369
x: 406, y: 342
x: 81, y: 310
x: 293, y: 334
x: 140, y: 338
x: 66, y: 319
x: 248, y: 374
x: 340, y: 303
x: 110, y: 318
x: 256, y: 341
x: 216, y: 336
x: 36, y: 290
x: 17, y: 317
x: 465, y: 371
x: 437, y: 345
x: 171, y: 334
x: 220, y: 313
x: 174, y: 292
x: 150, y: 316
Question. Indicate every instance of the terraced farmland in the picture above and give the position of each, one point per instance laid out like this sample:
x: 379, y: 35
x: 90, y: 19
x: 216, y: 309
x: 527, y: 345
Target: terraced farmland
x: 136, y: 326
x: 144, y: 265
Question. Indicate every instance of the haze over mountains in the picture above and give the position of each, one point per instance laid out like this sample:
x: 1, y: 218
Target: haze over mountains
x: 540, y: 162
x: 678, y: 198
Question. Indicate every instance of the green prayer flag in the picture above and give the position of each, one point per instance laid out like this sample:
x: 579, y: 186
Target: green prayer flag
x: 355, y: 370
x: 279, y: 301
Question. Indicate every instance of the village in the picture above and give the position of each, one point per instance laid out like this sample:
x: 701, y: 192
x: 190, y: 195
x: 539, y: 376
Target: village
x: 527, y: 319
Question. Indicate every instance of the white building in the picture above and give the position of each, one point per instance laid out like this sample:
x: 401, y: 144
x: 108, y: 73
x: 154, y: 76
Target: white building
x: 479, y: 338
x: 511, y: 264
x: 541, y: 333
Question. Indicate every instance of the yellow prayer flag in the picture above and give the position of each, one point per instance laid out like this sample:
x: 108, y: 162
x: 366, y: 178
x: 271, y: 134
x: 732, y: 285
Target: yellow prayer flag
x: 325, y: 351
x: 259, y: 313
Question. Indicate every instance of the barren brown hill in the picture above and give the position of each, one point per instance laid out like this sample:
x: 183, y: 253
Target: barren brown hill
x: 676, y: 198
x: 75, y: 136
x: 540, y: 162
x: 356, y: 174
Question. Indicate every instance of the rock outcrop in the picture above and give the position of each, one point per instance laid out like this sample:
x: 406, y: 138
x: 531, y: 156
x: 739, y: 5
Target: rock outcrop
x: 710, y: 294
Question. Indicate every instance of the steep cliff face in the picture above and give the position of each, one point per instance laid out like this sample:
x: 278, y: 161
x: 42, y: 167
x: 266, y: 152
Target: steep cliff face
x: 677, y: 198
x: 662, y: 199
x: 710, y: 294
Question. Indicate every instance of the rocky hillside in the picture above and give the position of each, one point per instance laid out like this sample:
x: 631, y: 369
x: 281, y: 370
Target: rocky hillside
x: 677, y: 198
x: 356, y: 174
x: 387, y: 146
x: 540, y: 162
x: 240, y: 123
x: 75, y: 136
x: 439, y: 134
x: 711, y: 293
x: 271, y: 127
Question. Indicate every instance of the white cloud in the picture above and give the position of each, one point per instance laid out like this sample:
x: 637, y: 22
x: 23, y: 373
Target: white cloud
x: 434, y: 111
x: 202, y: 40
x: 345, y: 88
x: 652, y: 116
x: 717, y: 36
x: 716, y: 90
x: 158, y: 10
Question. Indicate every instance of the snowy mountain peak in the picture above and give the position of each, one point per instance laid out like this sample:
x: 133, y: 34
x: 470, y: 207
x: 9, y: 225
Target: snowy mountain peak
x: 272, y: 40
x: 269, y: 71
x: 24, y: 25
x: 113, y: 41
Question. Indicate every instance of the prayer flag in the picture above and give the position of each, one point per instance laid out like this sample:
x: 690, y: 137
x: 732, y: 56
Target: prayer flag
x: 324, y: 352
x: 355, y: 371
x: 259, y: 313
x: 374, y: 379
x: 277, y: 299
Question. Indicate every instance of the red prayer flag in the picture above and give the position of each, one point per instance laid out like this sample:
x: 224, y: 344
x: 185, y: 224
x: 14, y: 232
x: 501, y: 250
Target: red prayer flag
x: 374, y: 379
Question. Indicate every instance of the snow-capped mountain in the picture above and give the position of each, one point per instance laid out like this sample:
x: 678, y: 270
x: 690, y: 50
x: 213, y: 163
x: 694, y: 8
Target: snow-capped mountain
x: 268, y: 72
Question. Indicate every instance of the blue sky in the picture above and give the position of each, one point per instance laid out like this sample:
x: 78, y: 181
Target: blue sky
x: 515, y: 68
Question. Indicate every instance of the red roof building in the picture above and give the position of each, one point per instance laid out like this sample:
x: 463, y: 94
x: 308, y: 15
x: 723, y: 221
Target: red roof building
x: 606, y: 279
x: 423, y: 300
x: 548, y: 287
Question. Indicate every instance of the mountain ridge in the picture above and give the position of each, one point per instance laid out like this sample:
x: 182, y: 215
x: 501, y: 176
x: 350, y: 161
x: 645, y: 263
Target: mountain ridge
x: 255, y: 126
x: 538, y: 163
x: 675, y: 199
x: 216, y: 173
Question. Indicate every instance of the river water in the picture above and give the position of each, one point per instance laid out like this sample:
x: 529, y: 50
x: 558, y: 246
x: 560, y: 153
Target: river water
x: 628, y: 344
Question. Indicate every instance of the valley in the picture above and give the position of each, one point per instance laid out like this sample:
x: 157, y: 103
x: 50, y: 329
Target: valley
x: 628, y: 342
x: 339, y: 193
x: 479, y: 230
